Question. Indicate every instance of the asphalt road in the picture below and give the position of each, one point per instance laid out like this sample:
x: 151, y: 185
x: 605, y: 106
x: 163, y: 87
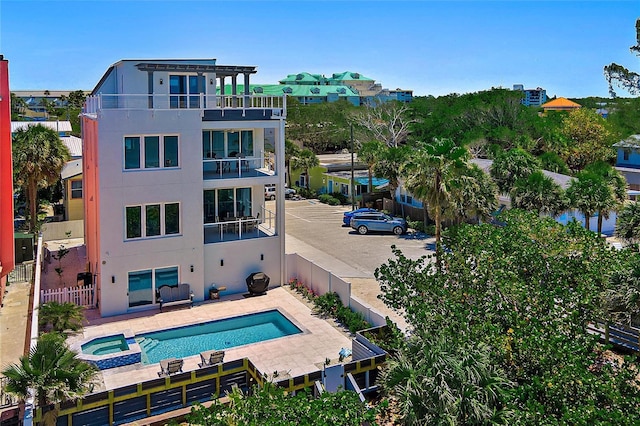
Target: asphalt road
x: 320, y: 226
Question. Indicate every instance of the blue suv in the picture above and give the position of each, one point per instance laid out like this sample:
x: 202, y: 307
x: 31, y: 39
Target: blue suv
x: 378, y: 221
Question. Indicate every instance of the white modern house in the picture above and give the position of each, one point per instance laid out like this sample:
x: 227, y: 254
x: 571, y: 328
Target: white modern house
x: 174, y: 181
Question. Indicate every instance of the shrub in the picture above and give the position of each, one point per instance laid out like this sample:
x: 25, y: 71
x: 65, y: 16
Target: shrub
x: 430, y: 229
x: 330, y: 305
x: 418, y: 225
x: 328, y: 199
x: 340, y: 197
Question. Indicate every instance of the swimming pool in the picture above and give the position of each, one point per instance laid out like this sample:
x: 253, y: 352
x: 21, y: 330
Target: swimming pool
x: 221, y: 334
x: 105, y: 345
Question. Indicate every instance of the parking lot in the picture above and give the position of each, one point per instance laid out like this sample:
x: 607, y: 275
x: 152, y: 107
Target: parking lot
x: 315, y: 230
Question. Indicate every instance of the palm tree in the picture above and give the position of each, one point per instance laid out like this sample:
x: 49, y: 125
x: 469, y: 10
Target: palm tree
x: 432, y: 175
x: 306, y: 160
x: 291, y: 150
x: 390, y: 161
x: 60, y: 317
x: 474, y: 196
x: 617, y: 184
x: 369, y: 153
x: 538, y: 193
x: 512, y: 165
x: 53, y: 371
x: 628, y: 223
x: 436, y: 382
x: 589, y: 193
x: 38, y: 158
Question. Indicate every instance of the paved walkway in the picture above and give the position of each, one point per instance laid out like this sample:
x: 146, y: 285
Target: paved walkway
x: 13, y: 323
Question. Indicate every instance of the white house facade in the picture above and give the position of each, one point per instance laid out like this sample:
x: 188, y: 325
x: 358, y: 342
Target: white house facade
x: 174, y: 180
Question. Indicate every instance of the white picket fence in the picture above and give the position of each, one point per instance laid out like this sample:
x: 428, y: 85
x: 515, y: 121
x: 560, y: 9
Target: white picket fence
x: 82, y: 295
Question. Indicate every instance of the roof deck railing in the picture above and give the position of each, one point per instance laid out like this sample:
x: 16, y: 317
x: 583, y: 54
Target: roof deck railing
x: 202, y: 101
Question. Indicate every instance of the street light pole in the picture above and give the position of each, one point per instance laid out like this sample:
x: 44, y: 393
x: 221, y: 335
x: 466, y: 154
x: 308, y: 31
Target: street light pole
x: 353, y: 193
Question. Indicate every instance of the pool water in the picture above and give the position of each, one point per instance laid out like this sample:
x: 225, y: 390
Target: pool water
x: 222, y: 334
x: 105, y: 345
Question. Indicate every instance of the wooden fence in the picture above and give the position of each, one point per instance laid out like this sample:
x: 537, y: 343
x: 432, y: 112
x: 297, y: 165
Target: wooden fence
x: 617, y: 335
x: 82, y: 295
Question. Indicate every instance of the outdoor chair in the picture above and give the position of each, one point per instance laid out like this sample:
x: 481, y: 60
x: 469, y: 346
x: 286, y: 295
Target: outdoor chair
x: 211, y: 358
x: 170, y: 366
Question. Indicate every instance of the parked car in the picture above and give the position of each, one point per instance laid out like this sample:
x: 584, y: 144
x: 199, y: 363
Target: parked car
x: 378, y: 221
x: 269, y: 192
x: 346, y: 217
x: 289, y: 192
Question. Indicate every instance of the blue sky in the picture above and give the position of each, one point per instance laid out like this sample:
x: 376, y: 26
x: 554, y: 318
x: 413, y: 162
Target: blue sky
x: 433, y: 48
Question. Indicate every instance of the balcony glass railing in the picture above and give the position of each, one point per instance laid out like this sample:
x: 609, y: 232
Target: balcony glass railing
x: 241, y: 228
x: 236, y: 167
x: 99, y: 102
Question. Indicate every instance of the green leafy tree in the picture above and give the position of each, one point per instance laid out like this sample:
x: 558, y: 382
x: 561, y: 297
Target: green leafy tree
x: 587, y: 138
x: 319, y: 127
x: 526, y: 289
x: 291, y: 150
x: 512, y: 165
x: 628, y: 223
x: 369, y: 153
x: 38, y: 158
x: 270, y: 405
x: 305, y: 160
x: 620, y: 75
x: 431, y: 175
x: 538, y: 193
x: 53, y: 371
x: 60, y: 317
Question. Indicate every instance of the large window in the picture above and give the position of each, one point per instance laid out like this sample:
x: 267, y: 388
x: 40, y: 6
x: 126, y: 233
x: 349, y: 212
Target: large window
x: 150, y: 152
x: 142, y: 284
x: 187, y: 89
x: 153, y: 219
x: 227, y: 143
x: 223, y: 204
x: 76, y: 189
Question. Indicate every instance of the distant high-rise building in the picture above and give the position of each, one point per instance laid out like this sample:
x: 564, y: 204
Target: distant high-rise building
x: 532, y: 97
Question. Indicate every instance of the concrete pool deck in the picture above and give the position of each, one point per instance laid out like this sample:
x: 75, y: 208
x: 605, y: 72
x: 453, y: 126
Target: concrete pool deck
x: 295, y: 355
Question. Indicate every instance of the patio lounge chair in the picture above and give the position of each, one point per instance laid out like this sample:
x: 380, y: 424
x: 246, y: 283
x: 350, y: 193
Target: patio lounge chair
x: 211, y: 358
x: 170, y: 366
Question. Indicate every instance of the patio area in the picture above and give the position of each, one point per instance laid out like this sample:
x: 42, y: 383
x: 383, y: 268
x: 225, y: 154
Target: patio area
x: 292, y: 355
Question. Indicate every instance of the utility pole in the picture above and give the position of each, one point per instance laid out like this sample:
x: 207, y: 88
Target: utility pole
x: 353, y: 193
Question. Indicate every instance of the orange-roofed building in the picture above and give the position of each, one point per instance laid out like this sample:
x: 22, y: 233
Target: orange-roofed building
x: 560, y: 104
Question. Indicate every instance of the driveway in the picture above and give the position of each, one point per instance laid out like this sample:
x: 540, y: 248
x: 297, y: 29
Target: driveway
x: 320, y: 226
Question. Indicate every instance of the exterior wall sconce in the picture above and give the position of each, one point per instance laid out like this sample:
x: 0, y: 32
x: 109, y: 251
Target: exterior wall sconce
x: 221, y: 262
x: 210, y: 81
x: 262, y: 257
x: 191, y: 268
x: 113, y: 278
x: 161, y: 81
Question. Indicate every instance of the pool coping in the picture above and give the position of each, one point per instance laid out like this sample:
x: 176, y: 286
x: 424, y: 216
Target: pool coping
x: 134, y: 354
x: 112, y: 360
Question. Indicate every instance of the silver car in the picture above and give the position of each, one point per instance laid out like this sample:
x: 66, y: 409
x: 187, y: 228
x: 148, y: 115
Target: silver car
x: 378, y: 221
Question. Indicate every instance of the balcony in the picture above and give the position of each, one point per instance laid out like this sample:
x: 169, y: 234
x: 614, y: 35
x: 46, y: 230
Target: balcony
x: 236, y: 167
x: 241, y: 228
x: 270, y: 105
